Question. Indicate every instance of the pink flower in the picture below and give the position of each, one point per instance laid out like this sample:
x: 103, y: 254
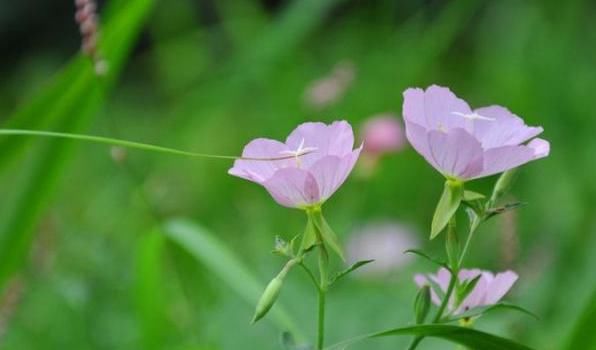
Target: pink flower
x: 465, y: 144
x: 489, y: 289
x: 385, y: 242
x: 382, y: 133
x: 321, y: 158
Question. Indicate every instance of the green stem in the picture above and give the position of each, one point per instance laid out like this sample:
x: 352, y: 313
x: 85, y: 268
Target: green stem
x: 475, y: 223
x: 131, y: 144
x: 323, y: 266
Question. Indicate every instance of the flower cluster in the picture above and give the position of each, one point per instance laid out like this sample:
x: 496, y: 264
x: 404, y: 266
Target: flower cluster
x: 461, y: 143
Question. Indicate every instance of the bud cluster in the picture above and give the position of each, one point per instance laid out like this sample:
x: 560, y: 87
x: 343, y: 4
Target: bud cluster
x: 86, y: 18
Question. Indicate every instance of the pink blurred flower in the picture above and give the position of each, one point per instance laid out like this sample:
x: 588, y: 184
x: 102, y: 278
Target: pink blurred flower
x: 328, y: 90
x: 383, y: 133
x: 385, y: 242
x: 489, y: 289
x: 323, y: 157
x: 466, y: 144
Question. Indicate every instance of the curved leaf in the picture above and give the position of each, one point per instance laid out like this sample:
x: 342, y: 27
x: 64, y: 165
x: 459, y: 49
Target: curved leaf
x: 471, y: 338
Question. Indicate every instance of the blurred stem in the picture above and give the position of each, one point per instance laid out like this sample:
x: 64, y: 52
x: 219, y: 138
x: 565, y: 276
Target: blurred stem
x: 323, y: 270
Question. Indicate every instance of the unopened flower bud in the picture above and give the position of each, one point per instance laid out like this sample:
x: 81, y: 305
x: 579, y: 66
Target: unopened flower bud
x: 422, y: 304
x: 268, y: 298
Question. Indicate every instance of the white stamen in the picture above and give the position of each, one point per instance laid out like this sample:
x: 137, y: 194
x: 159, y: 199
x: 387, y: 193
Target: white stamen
x: 299, y: 152
x: 473, y: 116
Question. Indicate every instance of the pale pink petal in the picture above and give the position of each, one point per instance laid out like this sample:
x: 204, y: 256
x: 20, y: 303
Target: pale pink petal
x: 498, y: 160
x: 259, y: 170
x: 498, y: 287
x: 541, y: 147
x: 435, y: 108
x: 505, y: 128
x: 330, y: 172
x: 455, y: 153
x: 293, y: 187
x: 418, y: 138
x: 336, y: 139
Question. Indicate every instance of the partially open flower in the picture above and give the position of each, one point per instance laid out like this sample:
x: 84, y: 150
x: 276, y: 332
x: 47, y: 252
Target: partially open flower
x: 489, y: 289
x: 466, y: 144
x: 320, y: 158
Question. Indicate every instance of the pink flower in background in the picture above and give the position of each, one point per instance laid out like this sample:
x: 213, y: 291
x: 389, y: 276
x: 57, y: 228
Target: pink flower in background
x: 489, y: 289
x: 467, y: 144
x: 383, y: 133
x: 328, y: 90
x: 385, y: 242
x: 321, y: 158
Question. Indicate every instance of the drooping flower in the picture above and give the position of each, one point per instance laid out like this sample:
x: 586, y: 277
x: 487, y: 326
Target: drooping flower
x: 320, y: 158
x: 465, y: 144
x: 489, y: 289
x: 383, y: 241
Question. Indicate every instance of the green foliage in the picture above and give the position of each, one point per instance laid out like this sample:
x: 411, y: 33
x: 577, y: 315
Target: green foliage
x: 213, y: 254
x: 209, y: 79
x: 468, y: 337
x: 70, y: 105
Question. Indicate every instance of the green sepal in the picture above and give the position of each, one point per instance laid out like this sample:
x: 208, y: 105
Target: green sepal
x: 452, y: 244
x: 503, y: 185
x: 350, y: 269
x: 470, y: 196
x: 447, y: 206
x: 464, y: 289
x: 309, y: 238
x: 422, y: 304
x: 326, y: 233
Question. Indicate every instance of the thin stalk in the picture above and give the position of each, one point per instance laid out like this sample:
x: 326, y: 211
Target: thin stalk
x: 311, y: 275
x: 134, y: 145
x: 323, y: 266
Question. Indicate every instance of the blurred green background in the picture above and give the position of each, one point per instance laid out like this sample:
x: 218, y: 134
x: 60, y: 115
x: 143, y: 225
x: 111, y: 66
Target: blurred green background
x: 90, y: 257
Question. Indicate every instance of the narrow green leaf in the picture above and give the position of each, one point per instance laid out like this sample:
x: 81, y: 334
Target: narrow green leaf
x: 447, y: 206
x: 350, y: 269
x: 479, y: 311
x: 500, y: 210
x: 213, y: 254
x: 582, y: 335
x: 427, y: 257
x: 471, y: 338
x: 149, y: 295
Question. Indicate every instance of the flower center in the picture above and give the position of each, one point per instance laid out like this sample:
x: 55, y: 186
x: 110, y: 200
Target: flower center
x: 300, y: 151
